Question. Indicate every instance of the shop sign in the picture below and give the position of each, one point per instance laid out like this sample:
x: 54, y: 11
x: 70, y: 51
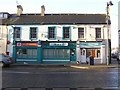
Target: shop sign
x: 82, y: 44
x: 58, y: 44
x: 27, y: 44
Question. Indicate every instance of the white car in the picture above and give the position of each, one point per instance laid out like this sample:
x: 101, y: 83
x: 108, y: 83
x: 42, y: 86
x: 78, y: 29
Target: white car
x: 118, y: 56
x: 5, y: 60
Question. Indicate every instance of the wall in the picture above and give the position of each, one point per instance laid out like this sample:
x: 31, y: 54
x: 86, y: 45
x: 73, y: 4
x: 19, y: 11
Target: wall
x: 3, y: 38
x: 43, y: 33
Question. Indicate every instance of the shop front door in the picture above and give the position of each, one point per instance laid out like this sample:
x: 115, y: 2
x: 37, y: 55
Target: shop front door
x: 83, y: 56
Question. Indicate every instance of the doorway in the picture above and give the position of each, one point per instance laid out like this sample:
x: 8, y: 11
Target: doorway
x: 83, y: 55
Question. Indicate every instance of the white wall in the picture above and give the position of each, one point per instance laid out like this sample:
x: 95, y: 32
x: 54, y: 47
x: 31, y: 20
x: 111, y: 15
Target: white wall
x: 3, y: 38
x: 43, y: 32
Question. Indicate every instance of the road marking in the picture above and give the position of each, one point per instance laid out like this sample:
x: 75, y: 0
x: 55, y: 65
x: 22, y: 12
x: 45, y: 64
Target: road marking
x: 16, y: 72
x: 79, y: 67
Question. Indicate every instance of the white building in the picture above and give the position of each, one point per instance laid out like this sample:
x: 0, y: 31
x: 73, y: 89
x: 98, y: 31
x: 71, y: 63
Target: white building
x: 59, y: 38
x: 3, y: 32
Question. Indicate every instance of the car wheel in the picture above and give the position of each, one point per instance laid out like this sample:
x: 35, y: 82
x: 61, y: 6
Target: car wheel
x: 117, y: 59
x: 5, y: 65
x: 8, y: 65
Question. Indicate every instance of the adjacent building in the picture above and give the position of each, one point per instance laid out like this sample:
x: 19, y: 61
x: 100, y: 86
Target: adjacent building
x: 3, y: 32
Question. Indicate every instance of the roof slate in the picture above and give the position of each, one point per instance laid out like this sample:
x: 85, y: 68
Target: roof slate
x: 37, y: 19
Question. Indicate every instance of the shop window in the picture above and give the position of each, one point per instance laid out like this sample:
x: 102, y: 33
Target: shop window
x: 80, y: 32
x: 94, y: 52
x: 98, y: 32
x: 98, y: 53
x: 66, y: 32
x: 56, y: 54
x: 51, y: 32
x: 26, y: 53
x: 16, y: 32
x: 33, y: 33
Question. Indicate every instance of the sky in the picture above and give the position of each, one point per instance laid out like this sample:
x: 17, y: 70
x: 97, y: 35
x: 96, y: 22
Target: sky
x: 67, y: 6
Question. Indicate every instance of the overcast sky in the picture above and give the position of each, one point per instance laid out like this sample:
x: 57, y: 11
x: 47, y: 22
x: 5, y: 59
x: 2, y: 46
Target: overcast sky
x: 67, y: 6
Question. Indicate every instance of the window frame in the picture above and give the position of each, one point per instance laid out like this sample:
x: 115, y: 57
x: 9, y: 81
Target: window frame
x: 54, y: 37
x: 14, y: 35
x: 36, y: 33
x: 80, y: 33
x: 69, y: 33
x: 98, y: 35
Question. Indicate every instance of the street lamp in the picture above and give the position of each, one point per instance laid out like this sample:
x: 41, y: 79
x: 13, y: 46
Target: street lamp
x: 108, y: 21
x: 14, y: 42
x: 78, y: 51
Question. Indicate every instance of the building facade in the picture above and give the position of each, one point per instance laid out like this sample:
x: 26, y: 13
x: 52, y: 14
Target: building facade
x: 3, y: 32
x: 57, y: 38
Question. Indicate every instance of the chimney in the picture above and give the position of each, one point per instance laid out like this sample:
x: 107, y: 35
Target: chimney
x: 42, y: 10
x: 19, y: 10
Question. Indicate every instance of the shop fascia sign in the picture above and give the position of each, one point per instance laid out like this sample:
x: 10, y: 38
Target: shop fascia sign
x: 90, y: 44
x: 27, y: 44
x: 58, y: 44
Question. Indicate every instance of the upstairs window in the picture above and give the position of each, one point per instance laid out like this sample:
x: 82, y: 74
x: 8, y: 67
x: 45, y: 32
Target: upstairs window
x: 33, y: 33
x: 17, y: 33
x: 66, y: 32
x: 80, y: 32
x: 3, y: 15
x: 98, y: 32
x: 51, y: 32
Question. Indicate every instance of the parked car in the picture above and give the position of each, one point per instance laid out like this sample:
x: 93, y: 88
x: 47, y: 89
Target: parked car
x: 113, y: 55
x: 118, y: 56
x: 5, y: 60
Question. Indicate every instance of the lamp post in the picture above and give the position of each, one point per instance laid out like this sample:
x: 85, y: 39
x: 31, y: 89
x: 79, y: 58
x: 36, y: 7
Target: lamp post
x: 14, y: 43
x: 78, y: 51
x: 108, y: 22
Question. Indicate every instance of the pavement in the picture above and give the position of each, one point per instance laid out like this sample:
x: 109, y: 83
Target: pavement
x: 114, y: 64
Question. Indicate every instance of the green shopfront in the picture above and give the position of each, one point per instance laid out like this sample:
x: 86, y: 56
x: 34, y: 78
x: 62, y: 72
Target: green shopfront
x: 58, y: 52
x: 27, y: 51
x: 45, y: 52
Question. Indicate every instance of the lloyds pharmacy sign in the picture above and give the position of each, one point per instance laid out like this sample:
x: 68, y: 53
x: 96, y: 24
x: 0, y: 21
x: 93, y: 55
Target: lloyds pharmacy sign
x: 58, y: 44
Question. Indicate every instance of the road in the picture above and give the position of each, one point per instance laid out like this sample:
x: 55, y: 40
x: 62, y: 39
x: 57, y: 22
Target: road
x: 60, y: 77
